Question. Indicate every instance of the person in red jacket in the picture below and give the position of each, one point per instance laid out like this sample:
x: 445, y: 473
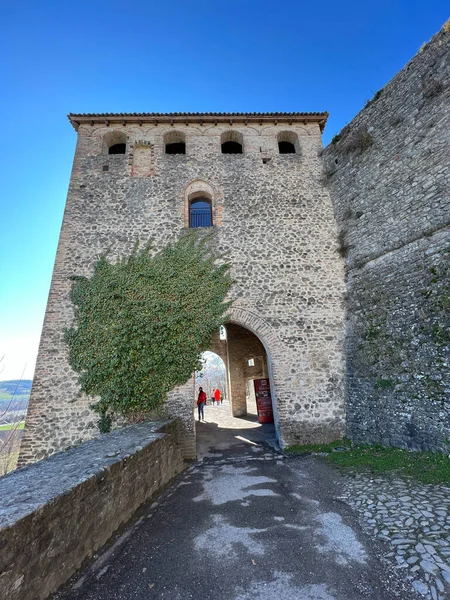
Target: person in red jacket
x: 201, y: 401
x: 217, y: 396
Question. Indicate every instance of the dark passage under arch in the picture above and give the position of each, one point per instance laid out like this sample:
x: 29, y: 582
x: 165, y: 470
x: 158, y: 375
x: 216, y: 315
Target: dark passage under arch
x: 286, y: 148
x: 117, y: 149
x: 176, y: 148
x: 231, y: 148
x: 245, y: 420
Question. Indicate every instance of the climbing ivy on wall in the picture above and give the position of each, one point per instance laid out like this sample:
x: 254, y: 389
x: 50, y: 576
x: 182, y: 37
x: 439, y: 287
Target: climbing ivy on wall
x: 142, y: 323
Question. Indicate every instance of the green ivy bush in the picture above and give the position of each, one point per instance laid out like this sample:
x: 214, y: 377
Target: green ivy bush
x: 142, y: 323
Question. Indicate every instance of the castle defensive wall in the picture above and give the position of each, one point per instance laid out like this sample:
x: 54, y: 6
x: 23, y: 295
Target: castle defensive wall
x: 389, y: 177
x: 341, y: 263
x: 359, y: 229
x: 258, y: 179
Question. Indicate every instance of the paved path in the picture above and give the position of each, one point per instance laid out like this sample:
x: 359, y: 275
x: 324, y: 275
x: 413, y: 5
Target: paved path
x: 221, y: 432
x: 245, y: 523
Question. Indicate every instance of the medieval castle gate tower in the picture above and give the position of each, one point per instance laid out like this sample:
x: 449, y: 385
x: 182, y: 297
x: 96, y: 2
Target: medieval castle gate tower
x: 257, y: 180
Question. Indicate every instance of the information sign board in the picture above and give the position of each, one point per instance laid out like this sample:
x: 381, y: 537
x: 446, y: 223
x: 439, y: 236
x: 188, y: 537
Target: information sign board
x: 263, y: 400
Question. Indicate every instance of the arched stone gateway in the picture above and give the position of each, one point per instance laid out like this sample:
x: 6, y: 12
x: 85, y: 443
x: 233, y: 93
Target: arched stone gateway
x: 273, y: 220
x: 250, y: 338
x: 263, y: 335
x: 310, y: 406
x: 246, y: 357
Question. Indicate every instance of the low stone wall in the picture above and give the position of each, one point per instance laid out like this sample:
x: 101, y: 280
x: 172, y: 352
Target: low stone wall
x: 56, y: 513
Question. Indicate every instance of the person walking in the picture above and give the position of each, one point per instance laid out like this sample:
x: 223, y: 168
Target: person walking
x: 212, y: 397
x: 217, y: 397
x: 201, y: 401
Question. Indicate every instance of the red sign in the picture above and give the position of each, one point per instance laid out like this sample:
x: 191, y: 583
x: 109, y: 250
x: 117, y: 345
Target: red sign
x: 263, y: 400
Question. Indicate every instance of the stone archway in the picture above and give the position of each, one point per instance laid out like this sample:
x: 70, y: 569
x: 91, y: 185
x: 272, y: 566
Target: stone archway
x: 248, y: 338
x: 212, y: 376
x: 247, y: 360
x: 264, y: 344
x: 274, y: 354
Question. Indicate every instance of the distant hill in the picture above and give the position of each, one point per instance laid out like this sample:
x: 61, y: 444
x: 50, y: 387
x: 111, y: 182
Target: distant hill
x: 19, y: 386
x: 14, y: 395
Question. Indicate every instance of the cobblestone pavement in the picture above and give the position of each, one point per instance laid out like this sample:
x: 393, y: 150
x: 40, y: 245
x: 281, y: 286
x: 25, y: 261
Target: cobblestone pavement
x: 414, y: 519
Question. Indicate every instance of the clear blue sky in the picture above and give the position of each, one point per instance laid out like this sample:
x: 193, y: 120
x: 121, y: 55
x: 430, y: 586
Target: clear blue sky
x: 136, y: 56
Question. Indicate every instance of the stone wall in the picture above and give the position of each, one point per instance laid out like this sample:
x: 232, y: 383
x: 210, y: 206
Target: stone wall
x: 240, y: 346
x: 243, y: 345
x: 389, y: 177
x: 55, y: 514
x: 274, y: 220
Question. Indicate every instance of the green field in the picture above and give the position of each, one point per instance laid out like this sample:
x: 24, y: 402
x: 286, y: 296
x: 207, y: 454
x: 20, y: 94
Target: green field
x: 8, y: 462
x: 9, y: 426
x: 17, y: 397
x: 427, y: 467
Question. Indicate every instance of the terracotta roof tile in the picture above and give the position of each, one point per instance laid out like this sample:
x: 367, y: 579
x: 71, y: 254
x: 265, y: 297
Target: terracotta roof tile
x: 76, y: 118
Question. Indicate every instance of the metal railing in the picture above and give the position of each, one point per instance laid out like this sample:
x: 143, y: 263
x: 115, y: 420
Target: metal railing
x: 200, y: 217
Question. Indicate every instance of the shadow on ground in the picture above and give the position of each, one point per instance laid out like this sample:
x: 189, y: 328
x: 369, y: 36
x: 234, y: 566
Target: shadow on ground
x: 221, y: 432
x: 244, y: 523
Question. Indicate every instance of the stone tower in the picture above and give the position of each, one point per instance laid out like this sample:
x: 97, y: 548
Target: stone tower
x: 257, y: 180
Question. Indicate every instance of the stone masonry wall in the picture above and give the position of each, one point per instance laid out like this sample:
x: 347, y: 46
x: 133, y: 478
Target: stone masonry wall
x: 243, y: 345
x: 273, y: 218
x: 59, y: 512
x: 389, y: 178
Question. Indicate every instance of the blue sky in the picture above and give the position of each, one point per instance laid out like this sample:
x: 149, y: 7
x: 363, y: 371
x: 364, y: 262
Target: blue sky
x: 136, y: 56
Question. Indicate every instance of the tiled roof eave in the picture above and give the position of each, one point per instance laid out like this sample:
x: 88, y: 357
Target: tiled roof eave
x: 202, y: 118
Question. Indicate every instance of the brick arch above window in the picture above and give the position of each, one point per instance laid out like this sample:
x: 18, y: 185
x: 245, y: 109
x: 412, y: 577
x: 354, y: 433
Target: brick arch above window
x: 114, y: 142
x: 174, y: 142
x: 288, y: 142
x: 232, y: 142
x: 201, y: 190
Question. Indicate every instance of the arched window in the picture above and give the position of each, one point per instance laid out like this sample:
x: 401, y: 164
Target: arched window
x: 174, y: 143
x: 115, y: 142
x: 176, y: 148
x: 200, y: 213
x: 199, y: 206
x: 232, y: 142
x: 117, y: 149
x: 288, y: 143
x: 231, y: 148
x: 286, y: 148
